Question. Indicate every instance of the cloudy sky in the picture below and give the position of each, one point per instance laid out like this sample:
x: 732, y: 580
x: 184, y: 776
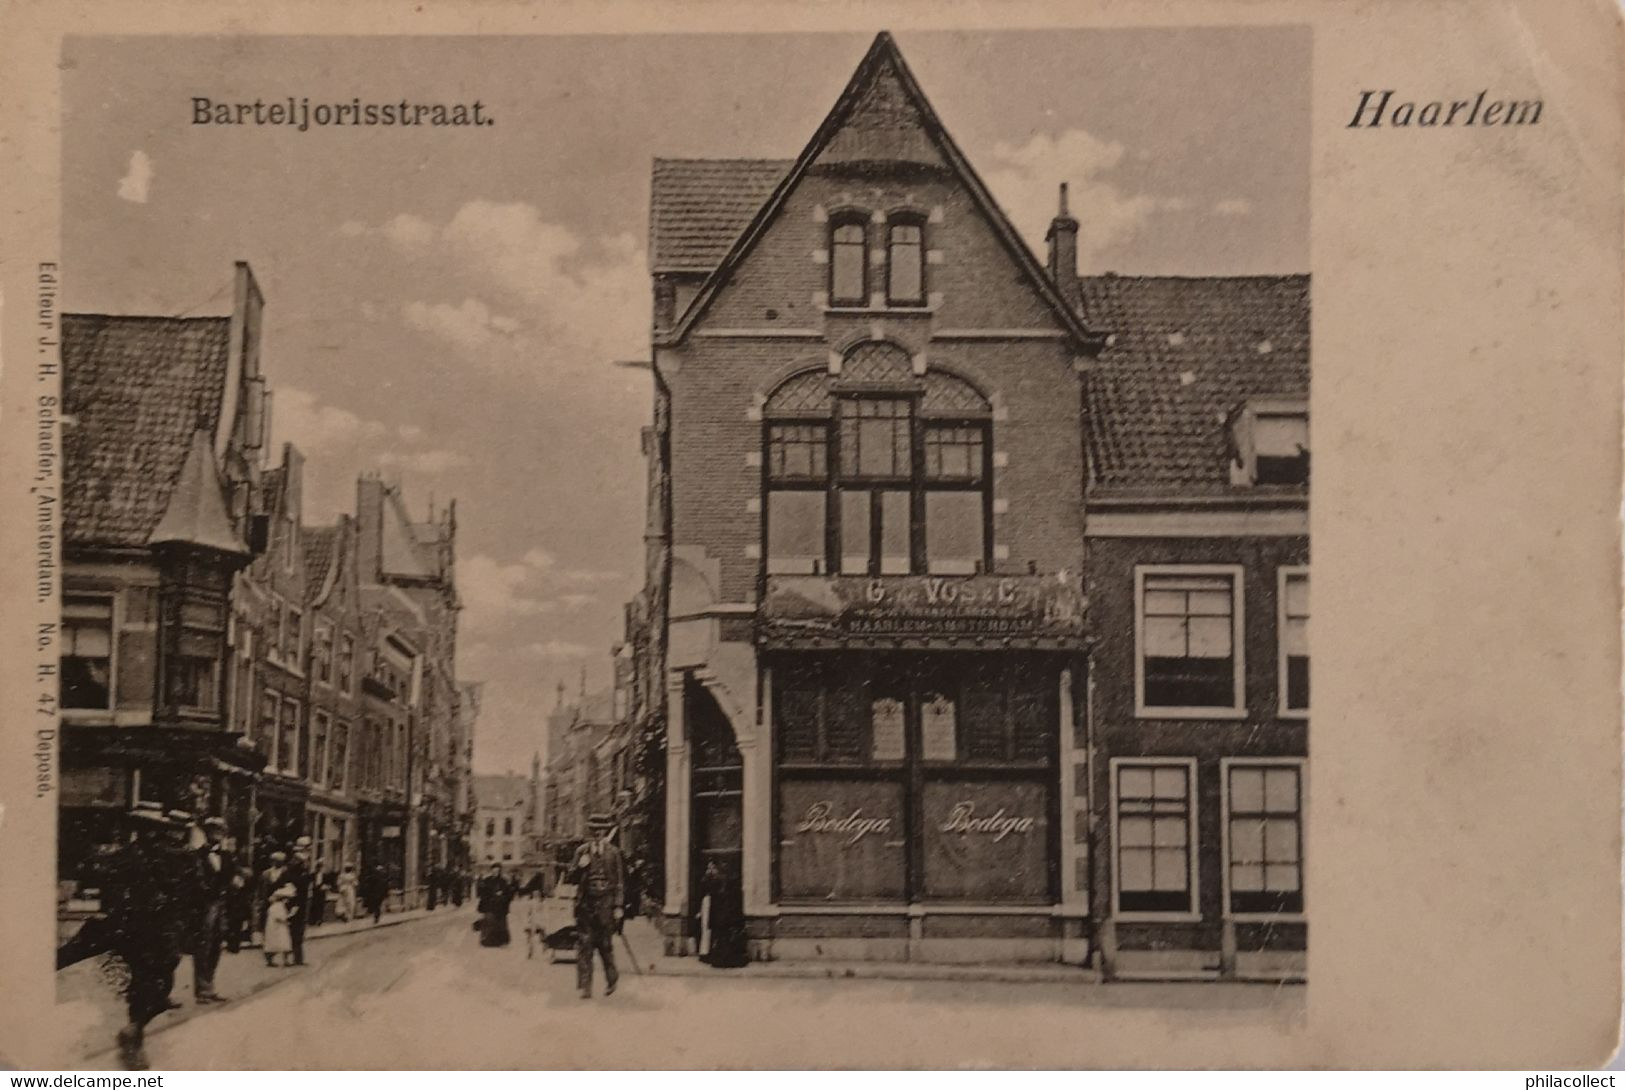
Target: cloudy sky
x: 446, y: 306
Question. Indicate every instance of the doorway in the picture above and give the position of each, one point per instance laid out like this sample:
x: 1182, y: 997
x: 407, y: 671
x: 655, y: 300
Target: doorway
x: 716, y: 789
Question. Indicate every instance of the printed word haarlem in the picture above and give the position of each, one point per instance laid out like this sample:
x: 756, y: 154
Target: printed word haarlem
x: 1377, y: 109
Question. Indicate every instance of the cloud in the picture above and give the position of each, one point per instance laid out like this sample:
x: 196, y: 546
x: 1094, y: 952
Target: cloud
x: 315, y: 428
x: 494, y: 592
x: 340, y: 445
x: 568, y: 302
x: 1025, y: 180
x: 471, y: 326
x: 426, y: 462
x: 1233, y: 206
x: 137, y: 180
x: 556, y: 649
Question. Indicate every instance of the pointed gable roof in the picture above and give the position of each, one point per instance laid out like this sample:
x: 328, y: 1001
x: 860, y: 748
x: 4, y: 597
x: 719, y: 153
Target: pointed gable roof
x: 404, y: 553
x: 321, y: 548
x: 883, y: 60
x: 196, y: 513
x: 136, y: 389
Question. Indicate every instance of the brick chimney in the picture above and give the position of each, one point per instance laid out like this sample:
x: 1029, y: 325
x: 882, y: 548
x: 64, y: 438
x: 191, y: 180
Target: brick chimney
x: 1063, y: 247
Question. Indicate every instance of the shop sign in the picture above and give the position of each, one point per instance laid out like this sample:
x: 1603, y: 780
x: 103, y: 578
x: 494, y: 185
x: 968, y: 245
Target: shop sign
x: 986, y: 840
x: 841, y: 840
x: 1006, y: 607
x: 391, y: 831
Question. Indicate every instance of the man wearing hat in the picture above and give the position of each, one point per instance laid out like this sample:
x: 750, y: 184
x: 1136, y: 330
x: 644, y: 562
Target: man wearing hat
x: 214, y: 867
x: 600, y: 879
x: 299, y: 875
x: 144, y: 901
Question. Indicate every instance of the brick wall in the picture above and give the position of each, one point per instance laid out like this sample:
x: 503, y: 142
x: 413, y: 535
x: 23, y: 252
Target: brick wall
x: 1118, y: 733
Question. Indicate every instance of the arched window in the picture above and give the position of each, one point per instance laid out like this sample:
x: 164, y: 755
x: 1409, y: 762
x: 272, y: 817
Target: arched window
x: 877, y: 471
x: 905, y: 261
x: 849, y: 260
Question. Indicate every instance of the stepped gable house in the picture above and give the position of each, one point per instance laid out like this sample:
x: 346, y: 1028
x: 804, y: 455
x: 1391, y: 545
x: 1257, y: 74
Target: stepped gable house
x: 890, y: 718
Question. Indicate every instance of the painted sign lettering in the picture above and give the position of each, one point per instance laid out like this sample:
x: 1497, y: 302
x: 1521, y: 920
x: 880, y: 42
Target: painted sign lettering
x: 962, y: 819
x: 820, y: 818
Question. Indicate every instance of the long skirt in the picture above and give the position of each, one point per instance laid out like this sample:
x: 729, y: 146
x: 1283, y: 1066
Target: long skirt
x: 494, y: 929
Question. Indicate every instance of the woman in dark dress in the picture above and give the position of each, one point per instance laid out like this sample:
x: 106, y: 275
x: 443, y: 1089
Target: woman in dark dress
x: 725, y: 916
x: 495, y: 896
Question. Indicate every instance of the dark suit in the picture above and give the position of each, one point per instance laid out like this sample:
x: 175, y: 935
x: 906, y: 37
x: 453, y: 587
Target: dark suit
x: 600, y: 877
x: 213, y: 868
x: 299, y: 911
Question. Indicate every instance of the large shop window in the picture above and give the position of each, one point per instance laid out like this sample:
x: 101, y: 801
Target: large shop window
x: 917, y: 777
x: 872, y: 484
x: 1153, y: 837
x: 87, y: 652
x: 1190, y: 635
x: 1265, y: 836
x: 1294, y: 641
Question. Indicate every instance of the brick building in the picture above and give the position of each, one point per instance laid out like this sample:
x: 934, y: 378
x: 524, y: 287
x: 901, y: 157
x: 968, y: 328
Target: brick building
x: 298, y: 681
x: 874, y: 631
x: 891, y: 453
x: 1196, y: 523
x: 164, y: 422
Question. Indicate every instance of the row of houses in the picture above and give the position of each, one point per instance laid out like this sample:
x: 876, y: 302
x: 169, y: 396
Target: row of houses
x: 222, y: 657
x: 977, y: 604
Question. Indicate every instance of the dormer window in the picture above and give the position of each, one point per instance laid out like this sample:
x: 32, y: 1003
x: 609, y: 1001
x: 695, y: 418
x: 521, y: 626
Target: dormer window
x: 849, y: 262
x: 1270, y: 437
x: 905, y: 263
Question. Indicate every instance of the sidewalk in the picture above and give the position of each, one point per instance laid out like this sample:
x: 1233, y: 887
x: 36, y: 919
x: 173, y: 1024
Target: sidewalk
x: 92, y: 1010
x: 644, y: 939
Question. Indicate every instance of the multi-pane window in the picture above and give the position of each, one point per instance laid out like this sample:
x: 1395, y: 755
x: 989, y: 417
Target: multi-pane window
x: 877, y: 483
x: 1188, y: 636
x: 346, y: 662
x: 87, y: 652
x: 265, y: 734
x: 1294, y: 642
x: 1153, y: 837
x: 287, y: 746
x: 1265, y: 836
x: 321, y: 653
x: 848, y: 262
x: 490, y: 828
x: 291, y: 638
x: 507, y: 826
x: 905, y: 263
x: 955, y: 473
x: 320, y: 729
x: 956, y: 741
x: 340, y: 757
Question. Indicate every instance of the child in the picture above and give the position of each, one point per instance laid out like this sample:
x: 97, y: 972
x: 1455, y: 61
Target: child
x: 278, y: 939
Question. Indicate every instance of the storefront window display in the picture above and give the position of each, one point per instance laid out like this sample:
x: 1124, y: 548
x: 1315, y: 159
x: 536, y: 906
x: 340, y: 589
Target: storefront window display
x: 919, y: 777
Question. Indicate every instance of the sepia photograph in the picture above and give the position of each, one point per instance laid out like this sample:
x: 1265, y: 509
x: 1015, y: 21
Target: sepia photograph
x: 670, y: 540
x: 821, y: 519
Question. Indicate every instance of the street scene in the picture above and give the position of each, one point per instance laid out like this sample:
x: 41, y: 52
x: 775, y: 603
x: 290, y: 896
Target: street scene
x: 377, y: 999
x: 638, y: 578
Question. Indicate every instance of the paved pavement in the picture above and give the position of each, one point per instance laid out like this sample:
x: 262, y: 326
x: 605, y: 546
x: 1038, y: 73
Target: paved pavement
x: 426, y: 995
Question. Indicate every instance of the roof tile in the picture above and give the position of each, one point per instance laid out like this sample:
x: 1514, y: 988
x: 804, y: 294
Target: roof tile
x: 136, y: 388
x: 698, y: 207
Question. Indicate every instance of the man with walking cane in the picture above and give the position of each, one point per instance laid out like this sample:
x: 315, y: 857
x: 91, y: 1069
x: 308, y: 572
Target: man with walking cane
x: 600, y: 878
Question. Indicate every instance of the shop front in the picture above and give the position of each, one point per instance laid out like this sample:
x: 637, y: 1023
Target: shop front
x: 916, y: 743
